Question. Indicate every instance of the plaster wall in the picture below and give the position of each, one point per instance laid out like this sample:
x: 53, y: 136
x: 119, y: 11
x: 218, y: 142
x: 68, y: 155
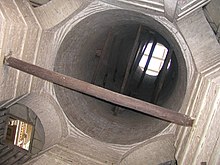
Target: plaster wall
x: 196, y: 145
x: 47, y: 53
x: 20, y: 35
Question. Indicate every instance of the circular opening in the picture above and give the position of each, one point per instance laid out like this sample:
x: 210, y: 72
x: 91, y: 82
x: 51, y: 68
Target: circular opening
x: 24, y: 129
x: 98, y: 50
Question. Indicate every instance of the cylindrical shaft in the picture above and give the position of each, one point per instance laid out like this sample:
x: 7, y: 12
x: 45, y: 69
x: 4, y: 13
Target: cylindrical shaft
x: 101, y: 93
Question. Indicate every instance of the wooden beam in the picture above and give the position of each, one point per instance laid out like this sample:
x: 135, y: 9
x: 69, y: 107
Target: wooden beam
x: 148, y: 62
x: 106, y: 61
x: 141, y: 49
x: 101, y: 93
x: 103, y: 55
x: 131, y: 60
x: 161, y: 77
x: 140, y: 55
x: 117, y: 60
x: 129, y: 65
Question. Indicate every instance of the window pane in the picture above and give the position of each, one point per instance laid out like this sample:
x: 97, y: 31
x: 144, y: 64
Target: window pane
x: 157, y: 59
x: 155, y: 64
x: 152, y: 73
x: 143, y: 61
x: 160, y: 51
x: 147, y: 51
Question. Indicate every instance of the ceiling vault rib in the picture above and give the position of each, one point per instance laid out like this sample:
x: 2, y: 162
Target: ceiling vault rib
x: 101, y: 93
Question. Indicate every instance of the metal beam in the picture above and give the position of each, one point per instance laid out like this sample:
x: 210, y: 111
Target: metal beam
x: 101, y: 93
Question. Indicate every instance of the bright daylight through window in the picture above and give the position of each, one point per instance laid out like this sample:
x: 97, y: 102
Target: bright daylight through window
x: 19, y: 133
x: 156, y: 61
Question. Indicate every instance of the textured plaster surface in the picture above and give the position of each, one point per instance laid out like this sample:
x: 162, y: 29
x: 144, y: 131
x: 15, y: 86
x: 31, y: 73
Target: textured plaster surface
x: 35, y: 38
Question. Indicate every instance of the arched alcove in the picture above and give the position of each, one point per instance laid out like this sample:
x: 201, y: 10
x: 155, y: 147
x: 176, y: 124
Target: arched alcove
x: 28, y: 127
x: 47, y: 111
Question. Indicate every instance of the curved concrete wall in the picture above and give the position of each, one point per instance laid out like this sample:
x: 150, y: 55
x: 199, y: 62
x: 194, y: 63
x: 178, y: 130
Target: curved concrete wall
x: 51, y: 42
x: 50, y: 116
x: 203, y: 96
x: 21, y: 33
x: 76, y: 58
x: 49, y: 15
x: 151, y: 152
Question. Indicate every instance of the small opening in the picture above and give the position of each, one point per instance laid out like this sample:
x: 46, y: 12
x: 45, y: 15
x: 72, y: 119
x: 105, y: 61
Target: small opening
x: 156, y: 61
x: 19, y: 133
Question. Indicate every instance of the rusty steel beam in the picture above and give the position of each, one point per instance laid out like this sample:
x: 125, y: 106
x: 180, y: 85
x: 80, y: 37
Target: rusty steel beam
x: 101, y: 93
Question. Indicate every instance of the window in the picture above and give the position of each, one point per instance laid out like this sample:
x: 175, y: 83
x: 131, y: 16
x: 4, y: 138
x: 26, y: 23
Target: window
x: 19, y: 133
x: 157, y: 60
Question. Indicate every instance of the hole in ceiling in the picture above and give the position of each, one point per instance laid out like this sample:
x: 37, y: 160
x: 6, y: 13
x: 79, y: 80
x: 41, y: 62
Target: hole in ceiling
x: 97, y: 50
